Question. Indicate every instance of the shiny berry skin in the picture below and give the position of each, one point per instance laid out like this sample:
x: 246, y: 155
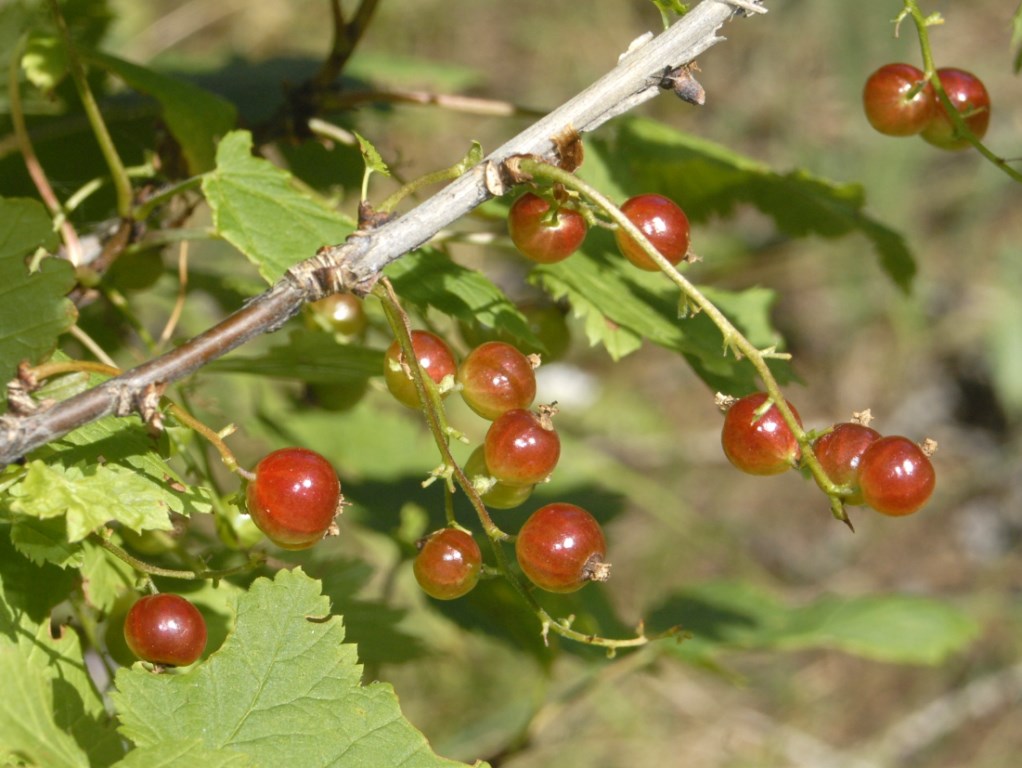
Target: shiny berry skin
x: 970, y: 98
x: 495, y: 378
x: 448, y: 564
x: 561, y: 547
x: 341, y: 313
x: 435, y: 359
x: 839, y: 453
x: 540, y: 236
x: 895, y: 476
x: 759, y: 444
x: 885, y: 102
x: 294, y: 497
x: 663, y: 223
x: 499, y: 495
x: 165, y: 629
x: 521, y: 448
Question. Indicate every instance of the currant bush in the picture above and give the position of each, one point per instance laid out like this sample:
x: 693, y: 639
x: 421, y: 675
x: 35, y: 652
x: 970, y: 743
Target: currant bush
x: 165, y: 629
x: 294, y: 497
x: 561, y: 547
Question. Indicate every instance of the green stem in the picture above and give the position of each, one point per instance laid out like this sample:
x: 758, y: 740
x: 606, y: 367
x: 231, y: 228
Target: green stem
x: 143, y: 211
x: 122, y: 184
x: 962, y: 129
x: 436, y: 177
x: 154, y: 570
x: 733, y: 338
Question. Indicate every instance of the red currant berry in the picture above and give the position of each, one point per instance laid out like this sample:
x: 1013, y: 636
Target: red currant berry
x: 756, y: 442
x: 970, y: 98
x: 494, y: 494
x: 496, y: 377
x: 521, y: 448
x: 542, y: 236
x: 561, y: 547
x: 448, y: 564
x: 294, y: 497
x: 341, y: 313
x: 435, y: 359
x: 895, y: 476
x: 839, y: 453
x: 887, y: 105
x: 663, y: 223
x: 165, y: 629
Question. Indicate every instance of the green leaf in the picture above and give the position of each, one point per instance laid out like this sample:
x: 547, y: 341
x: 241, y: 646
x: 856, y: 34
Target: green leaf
x: 284, y: 689
x: 184, y: 754
x: 90, y: 497
x: 27, y: 727
x: 370, y: 156
x: 310, y: 356
x: 195, y: 117
x: 622, y: 306
x: 105, y: 578
x: 51, y: 711
x: 708, y: 180
x: 33, y: 307
x: 45, y: 541
x: 427, y: 278
x: 893, y: 628
x: 258, y: 210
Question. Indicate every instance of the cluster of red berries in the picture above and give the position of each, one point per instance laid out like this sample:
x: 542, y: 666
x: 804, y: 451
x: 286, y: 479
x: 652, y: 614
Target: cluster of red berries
x: 900, y: 101
x: 560, y: 547
x: 891, y: 474
x: 546, y: 235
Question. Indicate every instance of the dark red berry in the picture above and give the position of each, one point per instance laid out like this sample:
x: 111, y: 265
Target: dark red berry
x: 839, y: 453
x: 970, y: 98
x: 561, y: 547
x: 663, y: 223
x: 541, y: 235
x: 497, y: 495
x: 435, y: 359
x: 760, y: 443
x: 496, y: 377
x: 294, y: 497
x: 448, y: 564
x: 521, y: 448
x: 165, y: 629
x: 895, y: 476
x: 888, y: 106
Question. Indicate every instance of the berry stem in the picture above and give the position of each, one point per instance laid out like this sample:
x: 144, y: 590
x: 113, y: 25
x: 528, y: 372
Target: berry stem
x: 733, y: 338
x: 102, y: 539
x: 922, y: 24
x: 430, y: 404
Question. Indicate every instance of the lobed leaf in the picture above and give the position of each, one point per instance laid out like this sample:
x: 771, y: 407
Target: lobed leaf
x: 258, y: 210
x: 284, y: 689
x: 34, y: 309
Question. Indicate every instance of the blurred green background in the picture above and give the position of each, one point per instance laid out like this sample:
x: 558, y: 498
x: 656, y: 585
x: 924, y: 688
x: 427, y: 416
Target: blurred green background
x: 944, y: 362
